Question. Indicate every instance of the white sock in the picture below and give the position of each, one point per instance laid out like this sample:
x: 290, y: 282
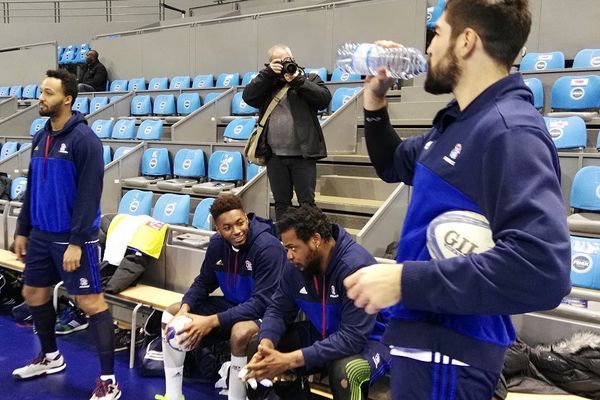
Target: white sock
x: 173, y: 361
x: 52, y: 356
x: 107, y: 377
x: 237, y: 388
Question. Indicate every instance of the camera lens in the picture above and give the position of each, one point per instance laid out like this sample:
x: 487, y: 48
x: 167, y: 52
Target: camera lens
x: 289, y: 67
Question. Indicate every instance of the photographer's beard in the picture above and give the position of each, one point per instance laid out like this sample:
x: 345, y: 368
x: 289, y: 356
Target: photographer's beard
x: 443, y: 78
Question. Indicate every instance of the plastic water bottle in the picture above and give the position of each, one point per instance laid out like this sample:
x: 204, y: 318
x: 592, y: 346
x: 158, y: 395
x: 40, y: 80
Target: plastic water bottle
x: 366, y: 58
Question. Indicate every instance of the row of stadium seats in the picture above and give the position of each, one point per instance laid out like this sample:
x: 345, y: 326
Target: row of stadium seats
x: 568, y: 133
x: 169, y: 208
x: 207, y: 80
x: 586, y: 58
x: 72, y: 54
x: 21, y: 92
x: 10, y: 148
x: 569, y: 93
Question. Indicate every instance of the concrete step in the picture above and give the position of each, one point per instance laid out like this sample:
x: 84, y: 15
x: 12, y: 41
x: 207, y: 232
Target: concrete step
x: 418, y: 93
x: 362, y: 169
x: 347, y: 204
x: 355, y: 187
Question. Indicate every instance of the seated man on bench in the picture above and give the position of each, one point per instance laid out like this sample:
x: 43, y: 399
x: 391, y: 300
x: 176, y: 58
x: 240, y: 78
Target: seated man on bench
x: 337, y: 336
x: 244, y: 259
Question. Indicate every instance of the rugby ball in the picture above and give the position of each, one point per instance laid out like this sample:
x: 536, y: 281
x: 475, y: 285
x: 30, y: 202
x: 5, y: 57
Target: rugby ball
x: 173, y: 329
x: 457, y: 234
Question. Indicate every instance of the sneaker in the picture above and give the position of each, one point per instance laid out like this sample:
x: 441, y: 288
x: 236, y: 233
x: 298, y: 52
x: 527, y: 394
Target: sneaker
x: 70, y: 320
x: 161, y: 397
x: 106, y: 390
x: 123, y: 338
x: 40, y: 366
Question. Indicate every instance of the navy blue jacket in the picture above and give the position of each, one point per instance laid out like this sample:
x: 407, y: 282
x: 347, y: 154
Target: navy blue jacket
x: 344, y: 327
x: 247, y: 277
x: 495, y: 158
x: 64, y: 184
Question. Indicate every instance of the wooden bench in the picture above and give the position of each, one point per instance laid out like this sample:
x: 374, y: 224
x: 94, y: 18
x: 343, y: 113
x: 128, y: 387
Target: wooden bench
x: 139, y: 296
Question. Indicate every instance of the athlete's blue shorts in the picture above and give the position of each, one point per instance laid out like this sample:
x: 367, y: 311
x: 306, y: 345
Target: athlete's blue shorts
x: 424, y: 380
x: 44, y: 266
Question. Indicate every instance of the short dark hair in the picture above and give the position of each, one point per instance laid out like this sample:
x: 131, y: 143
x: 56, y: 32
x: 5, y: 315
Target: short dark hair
x: 225, y: 203
x: 306, y: 221
x: 503, y: 25
x: 67, y: 79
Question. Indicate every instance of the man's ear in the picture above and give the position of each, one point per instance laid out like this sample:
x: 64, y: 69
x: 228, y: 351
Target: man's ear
x: 69, y: 100
x: 467, y: 42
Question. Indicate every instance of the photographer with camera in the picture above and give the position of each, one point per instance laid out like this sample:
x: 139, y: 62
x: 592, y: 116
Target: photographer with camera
x: 292, y: 140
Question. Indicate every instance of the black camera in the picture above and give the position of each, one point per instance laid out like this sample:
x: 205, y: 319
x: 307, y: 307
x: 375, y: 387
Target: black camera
x: 289, y: 66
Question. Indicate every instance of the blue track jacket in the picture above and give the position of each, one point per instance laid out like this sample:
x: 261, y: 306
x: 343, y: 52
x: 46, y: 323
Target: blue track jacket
x: 495, y: 158
x: 64, y: 184
x: 247, y: 277
x: 344, y: 327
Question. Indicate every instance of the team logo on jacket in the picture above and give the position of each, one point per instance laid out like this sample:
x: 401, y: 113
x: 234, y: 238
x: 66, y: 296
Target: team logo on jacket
x: 333, y: 293
x: 219, y: 263
x: 451, y: 158
x: 428, y: 145
x: 248, y: 265
x: 83, y: 283
x: 303, y: 290
x: 63, y: 149
x: 376, y: 360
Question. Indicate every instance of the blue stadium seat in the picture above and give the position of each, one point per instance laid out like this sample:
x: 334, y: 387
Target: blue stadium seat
x: 59, y: 52
x: 584, y: 189
x: 37, y: 124
x: 567, y: 133
x: 542, y: 61
x: 158, y: 83
x: 106, y: 154
x: 155, y: 166
x: 228, y: 80
x: 202, y: 218
x: 30, y: 92
x: 188, y: 168
x: 239, y: 129
x: 537, y: 88
x: 141, y: 105
x: 180, y: 82
x: 436, y: 13
x: 68, y: 55
x: 211, y: 96
x: 252, y: 170
x: 203, y: 81
x: 124, y: 129
x: 341, y: 96
x: 321, y: 71
x: 150, y: 130
x: 136, y: 84
x: 187, y: 103
x: 164, y: 104
x: 248, y: 76
x: 81, y: 53
x: 225, y: 171
x: 172, y: 209
x: 114, y: 98
x: 81, y: 104
x: 587, y: 58
x: 135, y: 202
x: 4, y: 91
x: 18, y: 186
x: 8, y: 149
x: 16, y: 91
x: 340, y: 76
x: 38, y: 92
x: 239, y: 106
x: 97, y: 103
x: 102, y: 128
x: 576, y: 93
x: 121, y: 151
x: 120, y: 85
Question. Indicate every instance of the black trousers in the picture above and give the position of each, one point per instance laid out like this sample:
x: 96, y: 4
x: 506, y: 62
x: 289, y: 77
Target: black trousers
x: 299, y: 335
x: 287, y: 174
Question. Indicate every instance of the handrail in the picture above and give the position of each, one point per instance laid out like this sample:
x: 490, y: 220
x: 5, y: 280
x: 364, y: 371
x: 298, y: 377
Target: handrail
x: 25, y: 46
x: 232, y: 18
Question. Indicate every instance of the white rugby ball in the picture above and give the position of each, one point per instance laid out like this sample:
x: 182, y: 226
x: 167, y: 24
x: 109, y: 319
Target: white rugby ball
x: 173, y: 329
x: 458, y: 233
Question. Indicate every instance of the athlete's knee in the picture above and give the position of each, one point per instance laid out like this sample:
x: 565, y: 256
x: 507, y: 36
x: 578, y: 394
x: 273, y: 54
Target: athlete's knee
x: 91, y: 304
x: 35, y: 296
x: 348, y: 377
x: 241, y: 333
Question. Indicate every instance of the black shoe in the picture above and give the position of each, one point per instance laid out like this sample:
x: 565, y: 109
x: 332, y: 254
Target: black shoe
x: 123, y: 338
